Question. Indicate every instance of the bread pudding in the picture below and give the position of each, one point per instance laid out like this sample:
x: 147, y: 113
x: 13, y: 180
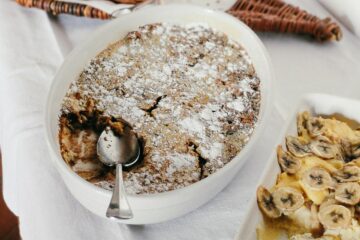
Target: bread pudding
x: 317, y: 192
x: 189, y: 93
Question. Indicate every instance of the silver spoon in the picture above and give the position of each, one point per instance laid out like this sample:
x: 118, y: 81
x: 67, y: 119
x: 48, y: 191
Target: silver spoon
x: 120, y: 151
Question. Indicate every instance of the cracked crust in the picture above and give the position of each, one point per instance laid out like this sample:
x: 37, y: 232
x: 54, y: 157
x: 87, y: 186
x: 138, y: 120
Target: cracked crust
x: 190, y: 93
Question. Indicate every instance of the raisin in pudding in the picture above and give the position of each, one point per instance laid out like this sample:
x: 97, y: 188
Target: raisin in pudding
x: 189, y: 93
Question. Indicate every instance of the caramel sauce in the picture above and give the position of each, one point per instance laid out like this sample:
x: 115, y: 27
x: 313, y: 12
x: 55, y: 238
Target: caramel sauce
x: 268, y: 233
x: 278, y: 229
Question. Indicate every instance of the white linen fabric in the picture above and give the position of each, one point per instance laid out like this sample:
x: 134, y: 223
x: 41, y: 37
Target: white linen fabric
x: 347, y: 11
x: 32, y: 47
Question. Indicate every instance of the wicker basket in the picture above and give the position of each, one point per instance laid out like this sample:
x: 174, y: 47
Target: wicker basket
x: 260, y: 15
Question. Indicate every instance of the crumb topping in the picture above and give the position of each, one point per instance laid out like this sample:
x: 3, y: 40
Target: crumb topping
x: 189, y: 92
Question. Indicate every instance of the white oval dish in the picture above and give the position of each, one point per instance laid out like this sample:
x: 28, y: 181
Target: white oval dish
x: 316, y: 104
x: 158, y: 207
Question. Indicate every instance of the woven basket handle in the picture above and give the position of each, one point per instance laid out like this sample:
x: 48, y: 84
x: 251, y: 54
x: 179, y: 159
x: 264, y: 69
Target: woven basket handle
x: 260, y: 15
x: 57, y: 7
x: 278, y: 16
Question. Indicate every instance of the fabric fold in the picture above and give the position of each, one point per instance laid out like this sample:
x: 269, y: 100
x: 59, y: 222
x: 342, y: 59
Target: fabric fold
x: 347, y: 12
x: 29, y: 59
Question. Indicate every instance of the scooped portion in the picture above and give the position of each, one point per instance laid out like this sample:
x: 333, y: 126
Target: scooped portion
x: 79, y: 133
x: 317, y: 192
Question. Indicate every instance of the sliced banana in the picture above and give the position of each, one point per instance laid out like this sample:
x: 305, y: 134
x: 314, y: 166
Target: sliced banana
x: 317, y: 178
x: 355, y: 149
x: 339, y: 153
x: 348, y: 193
x: 350, y: 150
x: 287, y: 162
x: 352, y: 210
x: 335, y: 216
x: 345, y: 150
x: 349, y: 173
x: 327, y: 202
x: 266, y: 204
x: 357, y: 212
x: 356, y: 162
x: 323, y: 148
x: 297, y: 147
x: 301, y: 123
x: 315, y: 126
x: 314, y: 220
x: 357, y: 208
x: 287, y: 199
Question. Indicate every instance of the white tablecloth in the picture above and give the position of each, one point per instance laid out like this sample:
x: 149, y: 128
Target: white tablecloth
x: 32, y: 47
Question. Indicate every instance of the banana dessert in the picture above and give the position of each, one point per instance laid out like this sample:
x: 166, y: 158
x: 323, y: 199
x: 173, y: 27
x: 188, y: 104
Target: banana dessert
x: 317, y: 192
x: 190, y: 94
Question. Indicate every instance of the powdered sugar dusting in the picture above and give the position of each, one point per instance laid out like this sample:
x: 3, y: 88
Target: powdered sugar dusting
x: 194, y: 126
x: 180, y: 161
x: 237, y: 105
x: 190, y: 92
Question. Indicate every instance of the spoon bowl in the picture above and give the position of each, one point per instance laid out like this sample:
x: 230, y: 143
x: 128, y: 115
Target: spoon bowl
x: 113, y: 149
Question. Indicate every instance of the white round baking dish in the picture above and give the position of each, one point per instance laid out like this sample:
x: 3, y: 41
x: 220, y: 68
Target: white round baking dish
x: 159, y: 207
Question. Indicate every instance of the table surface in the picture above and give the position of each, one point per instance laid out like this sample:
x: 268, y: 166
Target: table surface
x: 33, y: 45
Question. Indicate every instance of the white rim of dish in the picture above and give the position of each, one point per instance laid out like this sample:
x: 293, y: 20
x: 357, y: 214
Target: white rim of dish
x: 264, y: 109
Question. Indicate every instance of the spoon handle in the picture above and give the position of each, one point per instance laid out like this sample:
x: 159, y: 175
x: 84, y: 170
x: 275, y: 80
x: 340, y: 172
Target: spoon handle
x: 119, y: 207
